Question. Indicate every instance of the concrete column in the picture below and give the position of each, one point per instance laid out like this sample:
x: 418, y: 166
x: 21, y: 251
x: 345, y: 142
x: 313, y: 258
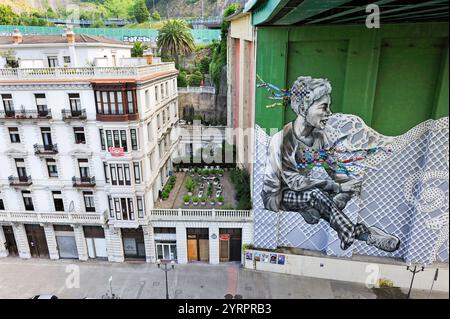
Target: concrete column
x: 81, y: 242
x: 214, y: 245
x: 3, y: 251
x: 114, y: 244
x: 181, y: 245
x: 149, y: 242
x: 21, y: 240
x: 51, y: 241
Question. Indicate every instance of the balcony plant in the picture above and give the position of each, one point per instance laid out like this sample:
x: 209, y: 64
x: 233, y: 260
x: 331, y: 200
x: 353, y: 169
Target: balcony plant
x: 203, y: 200
x: 220, y: 200
x: 220, y: 172
x: 195, y: 200
x: 186, y: 199
x: 212, y: 201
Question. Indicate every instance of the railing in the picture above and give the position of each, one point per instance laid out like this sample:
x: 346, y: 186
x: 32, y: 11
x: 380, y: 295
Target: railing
x: 73, y: 114
x: 83, y: 181
x: 197, y: 89
x: 26, y: 114
x: 45, y: 149
x: 53, y: 217
x: 84, y: 72
x: 200, y: 214
x: 20, y: 181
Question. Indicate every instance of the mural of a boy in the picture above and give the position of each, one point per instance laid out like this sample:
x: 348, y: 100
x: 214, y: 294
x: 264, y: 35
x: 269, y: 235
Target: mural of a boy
x: 290, y: 187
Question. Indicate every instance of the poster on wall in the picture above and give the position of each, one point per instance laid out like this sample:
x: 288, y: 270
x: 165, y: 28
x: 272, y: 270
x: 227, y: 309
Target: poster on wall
x: 273, y: 258
x: 248, y: 255
x: 281, y: 259
x: 257, y: 256
x: 265, y: 258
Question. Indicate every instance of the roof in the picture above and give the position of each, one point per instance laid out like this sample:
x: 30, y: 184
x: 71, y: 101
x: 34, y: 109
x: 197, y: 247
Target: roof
x: 302, y: 12
x: 59, y: 38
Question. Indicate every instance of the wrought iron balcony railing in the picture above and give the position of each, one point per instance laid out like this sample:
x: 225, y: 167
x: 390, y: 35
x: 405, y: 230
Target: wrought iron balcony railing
x: 83, y: 181
x: 73, y: 114
x: 20, y: 181
x: 45, y: 149
x: 26, y: 114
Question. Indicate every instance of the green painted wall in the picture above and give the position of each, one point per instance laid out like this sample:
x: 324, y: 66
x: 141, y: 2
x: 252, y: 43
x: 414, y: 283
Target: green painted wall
x: 394, y: 77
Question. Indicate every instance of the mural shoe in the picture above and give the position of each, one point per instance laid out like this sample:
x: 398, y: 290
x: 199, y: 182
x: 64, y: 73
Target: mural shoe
x: 382, y: 240
x: 311, y: 215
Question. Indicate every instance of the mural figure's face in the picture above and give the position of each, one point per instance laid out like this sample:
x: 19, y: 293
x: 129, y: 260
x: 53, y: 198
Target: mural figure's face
x: 318, y: 113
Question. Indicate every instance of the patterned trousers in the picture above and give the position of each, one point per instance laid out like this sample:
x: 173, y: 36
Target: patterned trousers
x: 323, y: 202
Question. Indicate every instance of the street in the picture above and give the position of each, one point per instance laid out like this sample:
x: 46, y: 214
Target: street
x: 73, y: 279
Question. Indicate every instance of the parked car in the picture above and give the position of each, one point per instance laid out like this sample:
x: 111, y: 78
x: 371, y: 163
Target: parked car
x: 45, y: 296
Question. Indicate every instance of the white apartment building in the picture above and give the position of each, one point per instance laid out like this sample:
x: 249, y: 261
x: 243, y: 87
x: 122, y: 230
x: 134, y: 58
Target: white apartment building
x: 88, y: 135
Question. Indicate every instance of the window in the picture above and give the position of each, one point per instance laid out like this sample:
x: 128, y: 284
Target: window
x: 158, y: 121
x: 52, y: 61
x: 134, y: 141
x: 51, y: 167
x: 14, y: 134
x: 46, y: 137
x: 58, y: 201
x: 21, y: 170
x: 41, y: 104
x: 149, y: 131
x: 123, y: 208
x: 102, y: 139
x: 66, y: 59
x: 106, y: 171
x: 112, y: 102
x: 156, y: 92
x: 114, y: 138
x: 137, y: 172
x: 162, y: 91
x: 89, y: 204
x: 120, y: 174
x: 147, y: 99
x: 8, y: 103
x: 79, y: 135
x: 75, y: 103
x: 111, y: 207
x: 27, y: 200
x: 167, y: 88
x: 2, y: 206
x: 140, y: 206
x: 83, y: 165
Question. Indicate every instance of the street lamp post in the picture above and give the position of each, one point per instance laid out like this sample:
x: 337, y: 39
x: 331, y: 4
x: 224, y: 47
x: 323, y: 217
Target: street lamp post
x: 166, y: 270
x: 414, y: 272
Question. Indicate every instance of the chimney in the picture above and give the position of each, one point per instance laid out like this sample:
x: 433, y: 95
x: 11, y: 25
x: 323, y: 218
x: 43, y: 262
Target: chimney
x: 69, y: 34
x: 149, y: 57
x: 17, y: 36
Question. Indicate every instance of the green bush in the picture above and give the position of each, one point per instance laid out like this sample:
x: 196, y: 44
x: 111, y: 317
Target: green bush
x: 190, y: 184
x: 194, y: 79
x: 241, y: 181
x: 195, y: 199
x: 203, y: 199
x: 204, y: 65
x: 220, y: 199
x: 186, y: 198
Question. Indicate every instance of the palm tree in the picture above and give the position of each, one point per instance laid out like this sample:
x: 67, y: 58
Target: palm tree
x: 175, y: 39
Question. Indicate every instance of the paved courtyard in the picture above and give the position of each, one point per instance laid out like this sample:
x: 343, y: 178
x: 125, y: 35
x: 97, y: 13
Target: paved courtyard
x: 21, y: 278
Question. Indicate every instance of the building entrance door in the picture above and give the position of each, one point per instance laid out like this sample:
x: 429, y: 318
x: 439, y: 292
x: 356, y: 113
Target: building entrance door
x: 234, y: 238
x: 133, y: 243
x: 198, y: 244
x: 37, y: 241
x: 11, y: 245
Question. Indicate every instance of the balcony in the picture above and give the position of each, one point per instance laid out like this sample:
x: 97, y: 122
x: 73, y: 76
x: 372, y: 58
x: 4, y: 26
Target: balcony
x: 200, y: 215
x: 26, y: 115
x: 68, y: 115
x: 85, y: 73
x: 53, y: 218
x: 83, y: 181
x: 50, y: 149
x: 21, y: 181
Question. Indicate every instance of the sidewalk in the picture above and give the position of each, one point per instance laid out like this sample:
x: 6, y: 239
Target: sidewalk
x: 21, y: 278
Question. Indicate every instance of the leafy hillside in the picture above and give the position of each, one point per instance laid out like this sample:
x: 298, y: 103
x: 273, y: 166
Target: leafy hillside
x: 166, y: 8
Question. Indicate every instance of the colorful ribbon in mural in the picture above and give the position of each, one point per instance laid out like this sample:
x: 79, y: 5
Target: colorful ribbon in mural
x: 277, y: 93
x: 340, y: 161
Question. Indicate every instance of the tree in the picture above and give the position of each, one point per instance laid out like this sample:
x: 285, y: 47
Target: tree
x: 156, y: 16
x: 204, y: 65
x: 138, y: 49
x: 98, y: 24
x: 118, y: 8
x: 175, y: 39
x: 7, y: 16
x: 140, y: 11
